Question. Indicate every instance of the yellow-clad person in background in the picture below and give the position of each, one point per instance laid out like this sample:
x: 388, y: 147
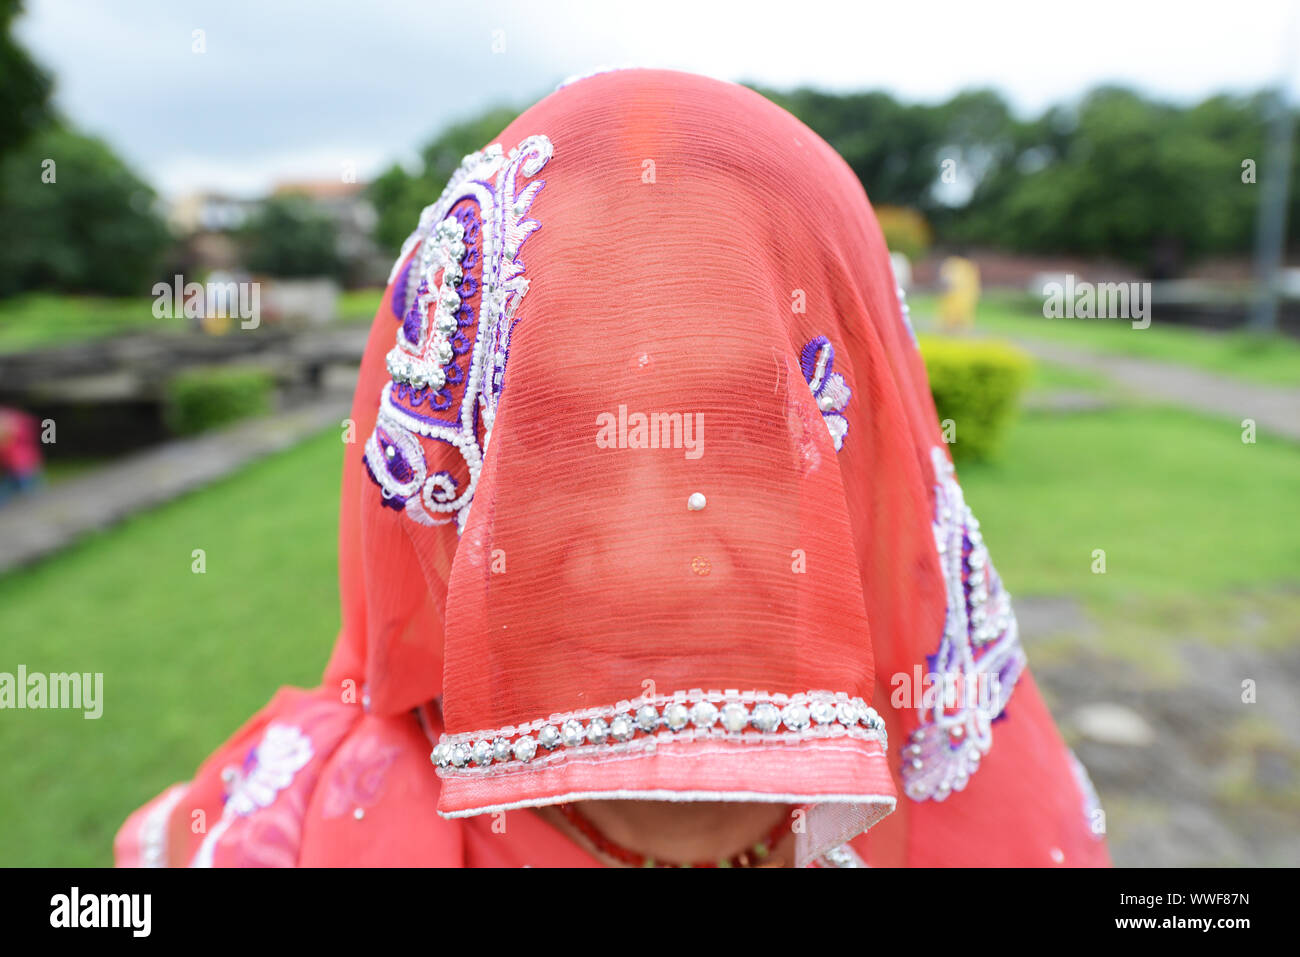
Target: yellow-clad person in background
x: 961, y: 279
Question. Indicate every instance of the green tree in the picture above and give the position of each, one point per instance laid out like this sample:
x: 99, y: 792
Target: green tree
x: 291, y: 236
x: 399, y: 195
x: 24, y: 87
x: 81, y: 223
x: 892, y: 147
x: 1125, y: 177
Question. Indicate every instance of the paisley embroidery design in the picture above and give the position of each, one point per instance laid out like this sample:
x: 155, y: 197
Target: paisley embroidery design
x: 457, y: 287
x: 979, y: 658
x: 828, y: 387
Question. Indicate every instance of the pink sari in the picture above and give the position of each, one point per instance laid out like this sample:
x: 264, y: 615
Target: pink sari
x: 653, y: 504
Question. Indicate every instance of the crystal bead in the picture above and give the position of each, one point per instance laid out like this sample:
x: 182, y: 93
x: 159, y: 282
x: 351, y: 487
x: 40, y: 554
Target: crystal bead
x: 482, y: 753
x: 846, y: 713
x: 549, y: 737
x: 734, y: 716
x: 621, y: 728
x: 597, y: 731
x: 795, y: 716
x: 676, y: 716
x: 445, y: 324
x: 823, y: 712
x: 525, y: 748
x: 460, y: 755
x: 766, y: 717
x: 704, y: 714
x: 572, y: 733
x: 647, y: 718
x: 441, y: 755
x: 501, y: 749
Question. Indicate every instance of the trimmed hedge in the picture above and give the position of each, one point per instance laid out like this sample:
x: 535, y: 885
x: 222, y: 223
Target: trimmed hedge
x: 207, y: 397
x: 977, y: 384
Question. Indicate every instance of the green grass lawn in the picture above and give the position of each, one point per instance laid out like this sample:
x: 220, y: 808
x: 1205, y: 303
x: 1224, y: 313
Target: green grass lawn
x: 1177, y: 502
x: 1190, y: 519
x: 38, y: 320
x: 359, y: 305
x: 1272, y: 360
x: 47, y: 319
x: 186, y: 657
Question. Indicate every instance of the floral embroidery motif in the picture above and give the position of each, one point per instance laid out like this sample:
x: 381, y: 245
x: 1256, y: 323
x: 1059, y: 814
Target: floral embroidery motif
x: 357, y: 782
x: 979, y: 658
x: 749, y: 717
x: 268, y: 769
x: 458, y: 284
x: 828, y: 387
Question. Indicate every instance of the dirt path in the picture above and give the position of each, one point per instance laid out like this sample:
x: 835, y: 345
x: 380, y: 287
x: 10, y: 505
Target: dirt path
x: 1274, y: 409
x: 40, y: 523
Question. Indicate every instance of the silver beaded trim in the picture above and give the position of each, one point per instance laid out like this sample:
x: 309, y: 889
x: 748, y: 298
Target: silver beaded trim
x: 424, y: 365
x: 745, y: 717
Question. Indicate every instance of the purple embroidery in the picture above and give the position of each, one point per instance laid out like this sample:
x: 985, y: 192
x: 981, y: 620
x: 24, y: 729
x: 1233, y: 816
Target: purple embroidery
x: 398, y: 303
x: 447, y: 368
x: 817, y: 360
x: 979, y: 659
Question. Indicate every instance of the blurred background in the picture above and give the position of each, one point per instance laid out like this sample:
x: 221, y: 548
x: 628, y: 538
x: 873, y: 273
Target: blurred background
x: 200, y: 202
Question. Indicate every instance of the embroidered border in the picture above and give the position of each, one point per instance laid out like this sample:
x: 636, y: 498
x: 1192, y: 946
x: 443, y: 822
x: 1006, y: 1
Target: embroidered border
x: 479, y: 222
x: 979, y: 654
x: 1093, y: 814
x: 686, y: 715
x: 153, y: 829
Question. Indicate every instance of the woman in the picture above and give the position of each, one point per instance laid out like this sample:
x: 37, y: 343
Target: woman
x: 653, y: 541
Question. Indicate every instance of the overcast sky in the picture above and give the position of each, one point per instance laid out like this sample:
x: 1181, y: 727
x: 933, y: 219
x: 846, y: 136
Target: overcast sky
x: 297, y: 90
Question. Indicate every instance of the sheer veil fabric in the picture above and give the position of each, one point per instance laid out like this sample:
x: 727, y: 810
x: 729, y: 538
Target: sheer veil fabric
x: 652, y: 503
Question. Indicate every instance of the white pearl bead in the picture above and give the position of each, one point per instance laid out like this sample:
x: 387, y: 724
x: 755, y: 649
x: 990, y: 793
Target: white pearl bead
x: 696, y: 502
